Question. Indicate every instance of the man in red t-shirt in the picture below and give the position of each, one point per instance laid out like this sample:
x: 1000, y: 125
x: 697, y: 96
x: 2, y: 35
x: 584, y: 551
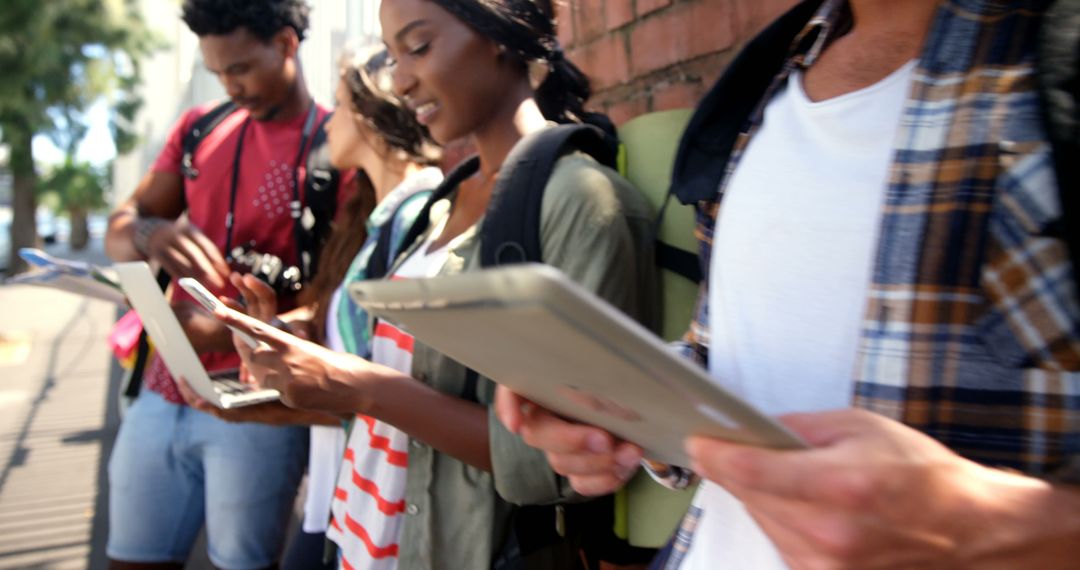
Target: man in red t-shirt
x: 174, y: 467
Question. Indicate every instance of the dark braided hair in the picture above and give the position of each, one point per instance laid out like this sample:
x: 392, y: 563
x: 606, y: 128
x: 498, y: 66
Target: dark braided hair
x: 526, y: 29
x: 263, y: 18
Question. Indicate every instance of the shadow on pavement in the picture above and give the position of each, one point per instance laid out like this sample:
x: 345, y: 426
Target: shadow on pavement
x: 20, y: 451
x: 97, y: 559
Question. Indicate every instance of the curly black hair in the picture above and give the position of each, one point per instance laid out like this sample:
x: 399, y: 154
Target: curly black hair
x: 263, y: 18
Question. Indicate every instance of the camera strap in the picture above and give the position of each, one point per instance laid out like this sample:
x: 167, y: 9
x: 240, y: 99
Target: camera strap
x: 295, y: 206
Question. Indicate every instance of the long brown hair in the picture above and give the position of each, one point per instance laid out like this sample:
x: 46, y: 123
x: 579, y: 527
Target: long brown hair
x: 373, y: 103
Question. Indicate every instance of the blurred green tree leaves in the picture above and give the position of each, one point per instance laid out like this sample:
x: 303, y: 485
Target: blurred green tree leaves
x: 58, y: 57
x: 76, y: 189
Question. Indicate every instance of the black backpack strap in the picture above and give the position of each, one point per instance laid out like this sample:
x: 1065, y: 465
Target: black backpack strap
x: 508, y: 239
x: 680, y: 261
x: 1058, y: 65
x: 321, y: 182
x: 142, y: 354
x: 379, y: 264
x: 202, y: 127
x: 380, y: 261
x: 510, y: 233
x: 520, y: 189
x: 526, y: 171
x: 423, y: 220
x: 135, y: 379
x: 706, y: 144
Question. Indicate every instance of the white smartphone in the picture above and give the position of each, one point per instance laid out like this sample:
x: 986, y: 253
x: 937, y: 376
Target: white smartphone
x: 210, y: 303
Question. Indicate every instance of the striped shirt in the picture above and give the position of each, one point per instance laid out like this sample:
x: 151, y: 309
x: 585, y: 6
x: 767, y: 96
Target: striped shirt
x: 369, y: 503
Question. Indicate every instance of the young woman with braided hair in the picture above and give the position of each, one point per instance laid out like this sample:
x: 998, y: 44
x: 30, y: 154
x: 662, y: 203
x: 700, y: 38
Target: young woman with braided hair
x: 431, y: 479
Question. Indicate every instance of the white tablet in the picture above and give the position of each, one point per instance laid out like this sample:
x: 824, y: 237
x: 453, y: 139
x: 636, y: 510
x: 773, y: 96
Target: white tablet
x: 532, y: 329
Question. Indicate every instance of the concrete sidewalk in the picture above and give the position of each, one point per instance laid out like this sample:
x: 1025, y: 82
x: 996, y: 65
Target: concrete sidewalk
x: 59, y: 387
x: 57, y: 421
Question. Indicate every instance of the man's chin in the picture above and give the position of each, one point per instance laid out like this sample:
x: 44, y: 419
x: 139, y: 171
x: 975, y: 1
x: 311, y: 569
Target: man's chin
x: 264, y: 113
x: 257, y: 111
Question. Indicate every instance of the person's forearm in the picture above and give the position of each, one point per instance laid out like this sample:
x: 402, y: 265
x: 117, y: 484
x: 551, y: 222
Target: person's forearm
x: 292, y: 416
x: 1038, y: 524
x: 454, y: 426
x: 119, y: 237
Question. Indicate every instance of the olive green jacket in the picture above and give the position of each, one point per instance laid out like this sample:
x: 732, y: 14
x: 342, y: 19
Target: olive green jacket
x: 595, y: 227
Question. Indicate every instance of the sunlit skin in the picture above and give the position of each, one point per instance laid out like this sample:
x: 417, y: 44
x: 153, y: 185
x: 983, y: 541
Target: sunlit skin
x: 349, y: 138
x: 266, y: 79
x: 452, y: 101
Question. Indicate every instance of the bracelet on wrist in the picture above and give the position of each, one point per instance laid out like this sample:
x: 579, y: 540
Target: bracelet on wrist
x: 144, y: 228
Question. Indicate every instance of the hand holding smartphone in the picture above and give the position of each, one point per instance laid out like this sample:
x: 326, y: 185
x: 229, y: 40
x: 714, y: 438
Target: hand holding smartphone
x: 211, y: 303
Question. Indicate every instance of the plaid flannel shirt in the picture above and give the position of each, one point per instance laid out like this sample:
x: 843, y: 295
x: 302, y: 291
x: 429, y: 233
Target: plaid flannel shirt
x: 972, y: 328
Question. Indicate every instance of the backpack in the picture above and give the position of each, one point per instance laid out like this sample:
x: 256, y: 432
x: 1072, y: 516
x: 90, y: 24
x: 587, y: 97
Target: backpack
x: 381, y: 259
x: 507, y: 239
x: 553, y: 534
x: 319, y: 186
x: 646, y: 512
x: 1059, y: 87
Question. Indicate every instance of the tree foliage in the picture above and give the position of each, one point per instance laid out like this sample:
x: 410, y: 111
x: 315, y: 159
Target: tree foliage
x: 59, y: 57
x: 76, y: 189
x: 76, y: 185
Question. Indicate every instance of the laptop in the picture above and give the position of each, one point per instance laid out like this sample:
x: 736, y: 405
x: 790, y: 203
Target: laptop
x: 222, y: 389
x: 534, y: 330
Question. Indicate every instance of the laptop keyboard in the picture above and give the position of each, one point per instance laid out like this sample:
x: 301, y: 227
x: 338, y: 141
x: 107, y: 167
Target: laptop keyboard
x: 232, y: 387
x: 227, y: 383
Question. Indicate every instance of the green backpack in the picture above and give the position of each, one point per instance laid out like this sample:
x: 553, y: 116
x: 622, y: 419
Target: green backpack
x: 646, y: 513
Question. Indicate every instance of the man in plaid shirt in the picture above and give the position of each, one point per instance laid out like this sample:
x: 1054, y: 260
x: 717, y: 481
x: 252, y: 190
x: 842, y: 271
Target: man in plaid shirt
x: 891, y: 158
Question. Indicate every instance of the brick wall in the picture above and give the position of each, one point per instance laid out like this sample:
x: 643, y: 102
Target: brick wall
x: 652, y: 55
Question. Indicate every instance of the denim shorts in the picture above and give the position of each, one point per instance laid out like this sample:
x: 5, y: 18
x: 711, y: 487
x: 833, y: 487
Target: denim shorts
x: 173, y: 467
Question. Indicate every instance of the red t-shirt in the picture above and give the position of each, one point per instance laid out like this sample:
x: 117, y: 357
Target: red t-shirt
x: 263, y: 192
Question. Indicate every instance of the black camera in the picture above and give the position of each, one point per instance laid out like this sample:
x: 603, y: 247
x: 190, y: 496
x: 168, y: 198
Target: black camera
x: 283, y: 279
